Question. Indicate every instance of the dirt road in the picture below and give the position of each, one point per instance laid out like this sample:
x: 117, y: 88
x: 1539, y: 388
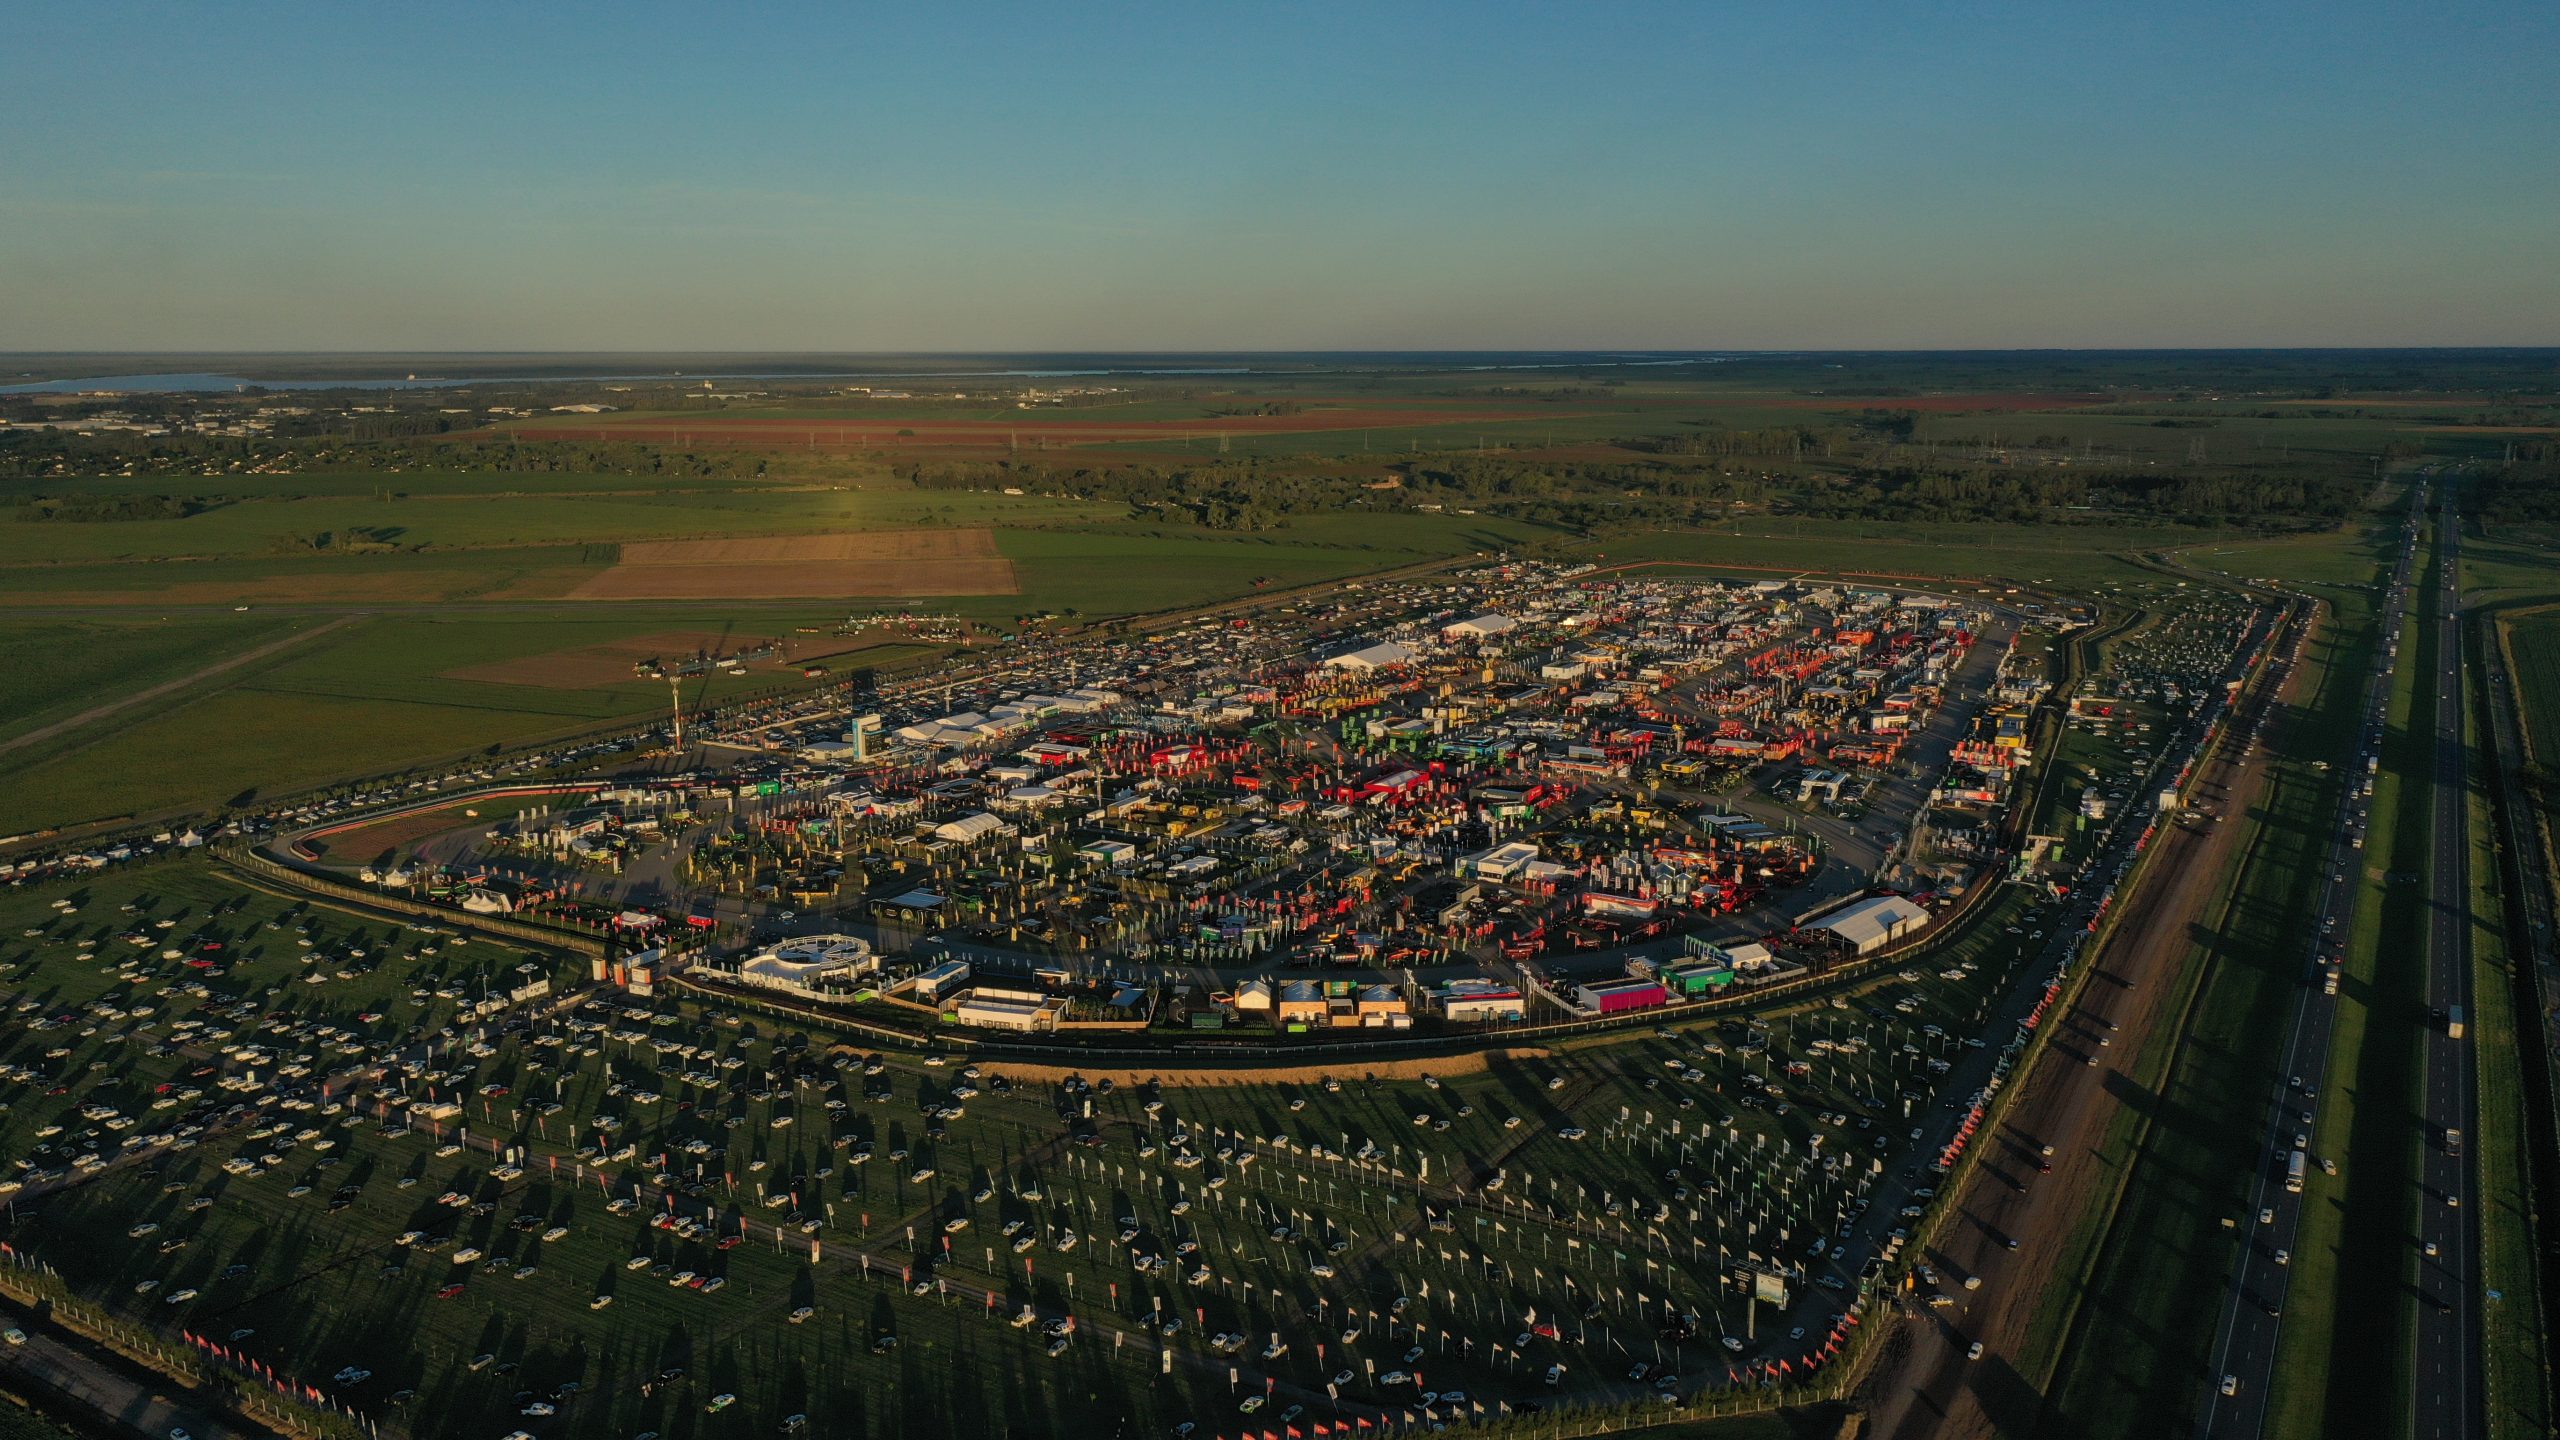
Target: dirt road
x: 1927, y: 1388
x: 96, y: 713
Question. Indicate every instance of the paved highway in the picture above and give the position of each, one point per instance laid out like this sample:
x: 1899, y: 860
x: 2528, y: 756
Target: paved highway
x: 2445, y: 1366
x: 2445, y: 1392
x: 2245, y: 1341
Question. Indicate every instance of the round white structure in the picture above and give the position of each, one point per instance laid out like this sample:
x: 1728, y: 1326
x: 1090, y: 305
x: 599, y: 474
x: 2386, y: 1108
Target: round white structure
x: 802, y: 965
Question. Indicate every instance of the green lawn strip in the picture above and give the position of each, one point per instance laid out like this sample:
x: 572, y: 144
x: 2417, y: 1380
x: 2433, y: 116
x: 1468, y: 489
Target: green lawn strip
x: 2153, y: 1296
x: 2353, y: 1226
x: 2534, y: 641
x: 2349, y: 1341
x: 2514, y: 1348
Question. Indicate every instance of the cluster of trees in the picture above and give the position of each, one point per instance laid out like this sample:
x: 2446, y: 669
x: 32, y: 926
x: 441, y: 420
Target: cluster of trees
x: 558, y: 457
x: 1910, y: 492
x: 354, y: 540
x: 1222, y: 495
x: 1255, y: 495
x: 1250, y: 494
x: 2524, y: 489
x: 45, y: 454
x: 98, y: 508
x: 1551, y: 392
x: 1791, y: 442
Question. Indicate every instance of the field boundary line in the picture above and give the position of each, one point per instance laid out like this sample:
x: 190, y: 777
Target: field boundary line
x: 96, y: 713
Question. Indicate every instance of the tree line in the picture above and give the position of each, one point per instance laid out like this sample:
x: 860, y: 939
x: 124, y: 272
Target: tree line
x: 1251, y: 494
x: 47, y: 454
x: 92, y: 509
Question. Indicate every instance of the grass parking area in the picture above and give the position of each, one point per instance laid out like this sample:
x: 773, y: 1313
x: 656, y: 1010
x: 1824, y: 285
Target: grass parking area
x: 103, y: 989
x: 1715, y: 1139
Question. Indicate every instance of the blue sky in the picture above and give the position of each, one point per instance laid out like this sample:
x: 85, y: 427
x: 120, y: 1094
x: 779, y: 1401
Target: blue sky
x: 1124, y: 176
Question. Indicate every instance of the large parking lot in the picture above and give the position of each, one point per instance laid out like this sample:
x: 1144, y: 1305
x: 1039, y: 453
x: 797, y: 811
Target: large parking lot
x: 633, y: 1208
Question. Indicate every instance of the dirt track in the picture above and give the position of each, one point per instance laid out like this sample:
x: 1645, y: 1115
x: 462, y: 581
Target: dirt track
x: 1927, y: 1388
x: 1177, y: 1076
x: 96, y: 713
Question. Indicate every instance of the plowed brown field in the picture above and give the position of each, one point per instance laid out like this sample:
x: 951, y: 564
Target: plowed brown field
x: 889, y: 563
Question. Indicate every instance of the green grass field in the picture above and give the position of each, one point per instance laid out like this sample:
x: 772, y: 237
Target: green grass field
x: 471, y: 520
x: 367, y: 698
x: 61, y: 666
x: 2498, y: 570
x: 2534, y: 640
x: 2351, y: 558
x: 2515, y: 1355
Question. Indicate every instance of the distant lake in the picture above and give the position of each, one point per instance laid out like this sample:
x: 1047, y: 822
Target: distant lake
x: 205, y: 384
x: 1079, y: 367
x: 196, y: 384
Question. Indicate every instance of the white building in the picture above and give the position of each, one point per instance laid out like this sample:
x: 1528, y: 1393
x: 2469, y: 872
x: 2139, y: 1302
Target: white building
x: 970, y: 828
x: 1503, y: 864
x: 1481, y: 1001
x: 1480, y: 627
x: 1872, y: 924
x: 1022, y: 1010
x: 1374, y: 657
x: 942, y: 980
x: 803, y: 965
